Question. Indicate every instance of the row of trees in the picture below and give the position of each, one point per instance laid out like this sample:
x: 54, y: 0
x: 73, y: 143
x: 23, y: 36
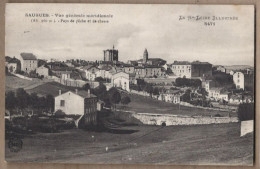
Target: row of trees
x: 110, y: 97
x: 180, y: 82
x: 144, y: 86
x: 21, y: 100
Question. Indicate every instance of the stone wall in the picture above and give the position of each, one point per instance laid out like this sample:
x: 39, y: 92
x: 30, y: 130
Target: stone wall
x: 172, y: 120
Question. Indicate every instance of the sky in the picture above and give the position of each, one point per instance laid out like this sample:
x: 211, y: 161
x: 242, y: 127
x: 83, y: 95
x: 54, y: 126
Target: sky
x: 132, y: 29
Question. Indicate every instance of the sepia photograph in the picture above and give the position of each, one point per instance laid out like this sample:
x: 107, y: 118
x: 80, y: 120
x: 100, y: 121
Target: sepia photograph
x: 130, y: 84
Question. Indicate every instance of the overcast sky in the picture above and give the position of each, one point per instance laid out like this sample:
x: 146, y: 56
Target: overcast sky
x: 132, y: 29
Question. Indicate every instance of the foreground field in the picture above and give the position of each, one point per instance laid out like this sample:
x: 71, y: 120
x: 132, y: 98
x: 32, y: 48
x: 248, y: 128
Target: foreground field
x: 141, y: 104
x: 202, y: 144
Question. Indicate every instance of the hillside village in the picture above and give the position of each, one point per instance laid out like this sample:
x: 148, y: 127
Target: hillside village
x: 92, y: 86
x: 118, y: 97
x: 166, y: 81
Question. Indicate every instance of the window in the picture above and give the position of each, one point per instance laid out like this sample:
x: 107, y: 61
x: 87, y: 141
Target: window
x: 62, y: 103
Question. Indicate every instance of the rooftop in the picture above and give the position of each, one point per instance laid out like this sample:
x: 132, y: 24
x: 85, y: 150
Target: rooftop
x: 181, y: 63
x: 28, y: 56
x: 200, y: 63
x: 81, y: 93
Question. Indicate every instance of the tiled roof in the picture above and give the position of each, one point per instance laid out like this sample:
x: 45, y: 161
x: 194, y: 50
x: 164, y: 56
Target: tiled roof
x: 200, y: 63
x: 85, y: 94
x: 28, y: 56
x: 88, y: 67
x: 81, y: 93
x: 181, y: 63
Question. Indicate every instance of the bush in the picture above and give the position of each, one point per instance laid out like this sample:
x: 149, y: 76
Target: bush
x: 187, y: 82
x: 218, y: 115
x: 246, y: 111
x: 59, y: 114
x: 125, y: 100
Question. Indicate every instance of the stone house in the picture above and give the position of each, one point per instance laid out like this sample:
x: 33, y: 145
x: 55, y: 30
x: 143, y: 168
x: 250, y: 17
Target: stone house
x: 28, y: 62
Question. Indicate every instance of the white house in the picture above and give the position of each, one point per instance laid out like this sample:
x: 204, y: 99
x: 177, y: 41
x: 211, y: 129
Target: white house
x: 172, y: 98
x: 78, y: 103
x: 28, y: 62
x: 91, y: 72
x: 217, y: 94
x: 239, y: 80
x: 42, y: 71
x: 121, y: 80
x: 181, y: 69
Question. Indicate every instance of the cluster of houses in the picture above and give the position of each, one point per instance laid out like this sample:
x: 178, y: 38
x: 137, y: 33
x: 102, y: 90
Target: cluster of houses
x: 122, y: 75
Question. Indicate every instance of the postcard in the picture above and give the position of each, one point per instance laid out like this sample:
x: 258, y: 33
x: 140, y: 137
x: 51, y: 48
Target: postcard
x: 130, y: 84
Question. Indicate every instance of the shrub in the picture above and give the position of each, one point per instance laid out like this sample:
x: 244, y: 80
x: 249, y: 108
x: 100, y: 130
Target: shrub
x: 218, y: 115
x: 59, y: 114
x: 125, y: 100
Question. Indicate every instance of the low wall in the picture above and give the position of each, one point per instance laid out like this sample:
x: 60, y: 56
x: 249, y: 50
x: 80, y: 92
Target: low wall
x: 142, y: 93
x: 172, y: 120
x: 21, y: 76
x: 246, y: 127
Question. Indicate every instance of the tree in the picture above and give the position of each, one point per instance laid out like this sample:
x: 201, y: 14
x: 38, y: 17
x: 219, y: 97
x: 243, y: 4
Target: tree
x: 86, y: 87
x: 100, y: 90
x: 156, y: 91
x: 125, y: 100
x: 50, y: 102
x: 99, y: 79
x: 34, y: 100
x: 22, y: 98
x: 41, y: 62
x: 59, y: 114
x: 114, y: 96
x: 42, y: 105
x: 203, y: 92
x: 10, y: 100
x: 186, y: 97
x: 141, y: 84
x: 148, y: 88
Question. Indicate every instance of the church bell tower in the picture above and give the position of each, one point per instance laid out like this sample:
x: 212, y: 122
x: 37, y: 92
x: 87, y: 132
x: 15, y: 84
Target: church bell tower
x: 145, y: 56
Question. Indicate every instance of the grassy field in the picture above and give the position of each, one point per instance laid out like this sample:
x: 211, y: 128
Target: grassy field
x: 12, y: 83
x: 51, y: 88
x: 201, y: 144
x: 141, y: 104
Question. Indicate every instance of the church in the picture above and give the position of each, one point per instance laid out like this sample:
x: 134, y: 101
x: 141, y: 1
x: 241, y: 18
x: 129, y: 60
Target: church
x: 146, y: 61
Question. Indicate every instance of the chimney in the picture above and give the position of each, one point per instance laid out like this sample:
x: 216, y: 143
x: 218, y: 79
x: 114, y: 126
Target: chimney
x: 76, y: 90
x: 59, y: 92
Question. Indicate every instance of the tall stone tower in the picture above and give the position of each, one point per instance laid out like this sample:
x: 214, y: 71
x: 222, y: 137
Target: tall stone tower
x: 111, y: 55
x: 145, y: 56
